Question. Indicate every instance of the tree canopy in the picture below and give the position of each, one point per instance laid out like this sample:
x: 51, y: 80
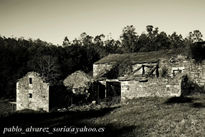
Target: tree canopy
x: 18, y: 55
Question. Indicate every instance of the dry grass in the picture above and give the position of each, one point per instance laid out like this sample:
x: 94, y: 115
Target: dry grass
x: 158, y: 117
x: 5, y: 107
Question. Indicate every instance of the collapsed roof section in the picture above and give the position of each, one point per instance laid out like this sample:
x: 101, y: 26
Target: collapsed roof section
x: 131, y: 66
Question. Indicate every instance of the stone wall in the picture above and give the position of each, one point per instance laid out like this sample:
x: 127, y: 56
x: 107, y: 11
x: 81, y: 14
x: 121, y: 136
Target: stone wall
x: 153, y: 87
x: 169, y: 85
x: 174, y: 65
x: 196, y: 73
x: 32, y: 93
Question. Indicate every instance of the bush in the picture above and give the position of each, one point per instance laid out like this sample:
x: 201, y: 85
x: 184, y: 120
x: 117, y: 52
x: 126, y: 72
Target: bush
x: 188, y: 87
x: 197, y: 51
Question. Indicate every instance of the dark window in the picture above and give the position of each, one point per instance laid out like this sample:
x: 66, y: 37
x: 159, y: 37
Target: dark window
x: 30, y: 80
x: 30, y: 95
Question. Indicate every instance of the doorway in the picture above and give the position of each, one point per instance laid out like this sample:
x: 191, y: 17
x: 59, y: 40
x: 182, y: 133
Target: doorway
x: 113, y: 91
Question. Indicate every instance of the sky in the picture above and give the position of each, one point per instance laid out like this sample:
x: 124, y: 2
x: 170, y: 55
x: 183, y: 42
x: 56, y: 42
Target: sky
x: 52, y: 20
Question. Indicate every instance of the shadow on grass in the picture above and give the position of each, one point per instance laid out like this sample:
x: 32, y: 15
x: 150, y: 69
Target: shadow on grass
x: 32, y: 117
x: 198, y: 105
x: 193, y: 102
x: 108, y: 131
x: 64, y: 121
x: 179, y: 100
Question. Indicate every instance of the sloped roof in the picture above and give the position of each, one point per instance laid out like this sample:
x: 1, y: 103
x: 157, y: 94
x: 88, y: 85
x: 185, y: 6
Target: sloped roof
x: 140, y: 57
x: 77, y: 79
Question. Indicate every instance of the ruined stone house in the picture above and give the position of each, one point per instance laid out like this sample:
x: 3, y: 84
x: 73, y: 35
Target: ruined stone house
x: 35, y: 93
x: 145, y: 74
x: 32, y: 92
x: 116, y: 77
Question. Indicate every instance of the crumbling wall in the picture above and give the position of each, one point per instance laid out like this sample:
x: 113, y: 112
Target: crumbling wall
x: 174, y: 65
x: 197, y: 73
x: 100, y: 69
x: 169, y: 85
x: 32, y: 93
x: 153, y: 87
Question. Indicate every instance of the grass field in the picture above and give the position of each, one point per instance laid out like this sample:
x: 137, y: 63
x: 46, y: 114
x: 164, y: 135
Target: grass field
x: 5, y: 107
x: 141, y: 117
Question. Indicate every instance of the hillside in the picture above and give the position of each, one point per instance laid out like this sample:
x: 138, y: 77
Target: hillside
x: 139, y: 117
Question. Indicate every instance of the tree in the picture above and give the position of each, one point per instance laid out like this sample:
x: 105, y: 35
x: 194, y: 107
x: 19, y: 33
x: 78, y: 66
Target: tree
x: 47, y: 66
x: 152, y: 38
x: 98, y: 40
x: 161, y: 41
x: 149, y: 29
x: 66, y: 42
x: 112, y: 46
x: 76, y: 42
x: 195, y: 36
x: 176, y: 40
x: 143, y: 43
x: 129, y: 39
x: 197, y: 51
x: 86, y: 39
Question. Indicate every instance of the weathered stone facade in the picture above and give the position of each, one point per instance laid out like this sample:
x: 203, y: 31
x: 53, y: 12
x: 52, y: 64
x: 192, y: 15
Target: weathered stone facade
x: 100, y: 69
x: 153, y: 87
x: 139, y: 83
x: 174, y: 65
x: 196, y: 73
x: 32, y: 93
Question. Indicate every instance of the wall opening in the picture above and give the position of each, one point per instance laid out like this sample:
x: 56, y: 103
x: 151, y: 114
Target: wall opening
x: 30, y: 95
x: 30, y: 81
x: 97, y: 92
x: 175, y: 72
x: 113, y: 91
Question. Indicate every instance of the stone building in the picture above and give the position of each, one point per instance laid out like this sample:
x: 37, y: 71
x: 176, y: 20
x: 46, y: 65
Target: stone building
x: 157, y: 73
x: 32, y: 92
x: 35, y: 93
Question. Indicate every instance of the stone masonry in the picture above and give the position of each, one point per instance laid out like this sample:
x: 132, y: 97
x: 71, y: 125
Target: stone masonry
x: 162, y: 86
x: 153, y: 87
x: 32, y: 93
